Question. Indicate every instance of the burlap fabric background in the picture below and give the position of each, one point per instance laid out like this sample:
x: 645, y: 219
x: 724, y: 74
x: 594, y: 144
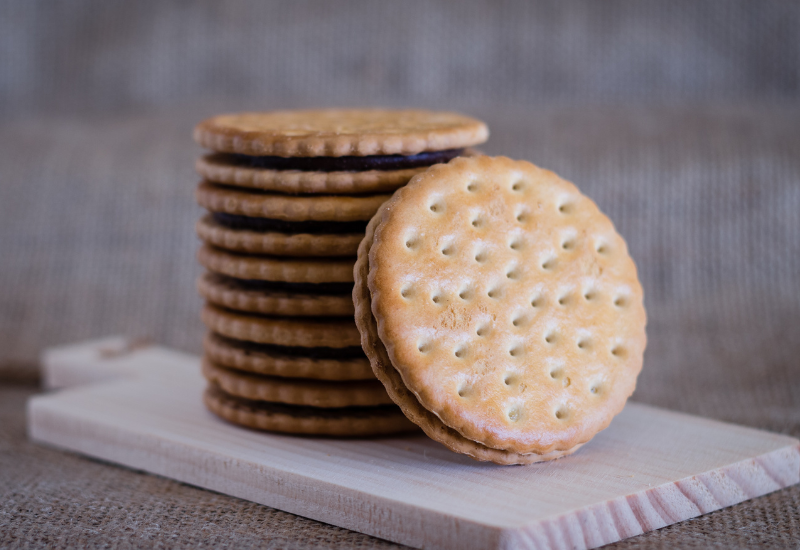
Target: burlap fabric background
x: 680, y: 119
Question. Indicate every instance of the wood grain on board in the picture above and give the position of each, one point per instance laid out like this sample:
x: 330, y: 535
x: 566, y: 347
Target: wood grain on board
x: 140, y: 406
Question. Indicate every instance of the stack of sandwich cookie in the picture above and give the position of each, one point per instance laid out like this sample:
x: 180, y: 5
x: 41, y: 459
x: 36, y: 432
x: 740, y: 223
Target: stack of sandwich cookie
x: 289, y: 195
x: 500, y: 309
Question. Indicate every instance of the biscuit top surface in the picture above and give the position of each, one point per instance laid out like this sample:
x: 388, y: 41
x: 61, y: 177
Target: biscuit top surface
x: 508, y: 303
x: 339, y: 132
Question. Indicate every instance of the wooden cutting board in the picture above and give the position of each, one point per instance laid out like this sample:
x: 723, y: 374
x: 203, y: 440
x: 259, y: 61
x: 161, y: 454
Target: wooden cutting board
x: 140, y: 406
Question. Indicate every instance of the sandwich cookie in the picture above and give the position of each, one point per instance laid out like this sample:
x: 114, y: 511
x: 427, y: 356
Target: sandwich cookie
x: 401, y: 395
x: 226, y: 235
x: 289, y: 273
x: 310, y: 363
x: 507, y: 306
x: 258, y: 297
x: 288, y: 208
x: 296, y: 391
x: 287, y: 332
x: 231, y: 170
x: 289, y: 225
x: 294, y: 419
x: 360, y: 175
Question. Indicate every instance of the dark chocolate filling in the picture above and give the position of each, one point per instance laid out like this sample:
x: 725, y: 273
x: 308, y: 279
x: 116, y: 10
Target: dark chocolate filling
x: 341, y: 164
x: 290, y: 227
x: 303, y: 410
x: 350, y: 352
x: 321, y: 289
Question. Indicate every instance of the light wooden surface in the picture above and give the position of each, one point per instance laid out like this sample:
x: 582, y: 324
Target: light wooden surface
x: 140, y: 407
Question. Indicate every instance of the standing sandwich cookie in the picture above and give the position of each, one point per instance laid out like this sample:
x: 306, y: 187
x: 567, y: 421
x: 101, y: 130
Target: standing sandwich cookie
x: 500, y: 309
x: 289, y: 195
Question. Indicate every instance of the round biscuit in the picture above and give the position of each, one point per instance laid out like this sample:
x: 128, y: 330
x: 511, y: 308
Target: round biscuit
x: 276, y: 268
x: 348, y: 422
x: 226, y: 292
x: 296, y: 391
x: 282, y: 331
x: 262, y: 204
x: 211, y: 168
x: 238, y: 355
x: 508, y: 304
x: 405, y: 399
x: 215, y: 168
x: 339, y: 132
x: 278, y: 244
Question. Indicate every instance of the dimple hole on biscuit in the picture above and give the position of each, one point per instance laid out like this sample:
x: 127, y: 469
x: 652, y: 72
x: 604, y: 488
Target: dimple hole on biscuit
x: 557, y: 255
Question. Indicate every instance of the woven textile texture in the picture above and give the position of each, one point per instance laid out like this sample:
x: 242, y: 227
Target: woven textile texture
x: 680, y: 119
x: 98, y: 56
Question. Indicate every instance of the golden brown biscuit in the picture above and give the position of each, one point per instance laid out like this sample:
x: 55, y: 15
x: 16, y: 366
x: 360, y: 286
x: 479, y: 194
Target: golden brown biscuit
x: 277, y: 417
x: 276, y: 268
x: 340, y: 332
x: 245, y: 356
x: 339, y: 132
x: 214, y: 168
x: 222, y: 169
x: 388, y: 375
x: 275, y: 243
x: 233, y: 294
x: 508, y: 304
x: 296, y: 391
x: 336, y: 208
